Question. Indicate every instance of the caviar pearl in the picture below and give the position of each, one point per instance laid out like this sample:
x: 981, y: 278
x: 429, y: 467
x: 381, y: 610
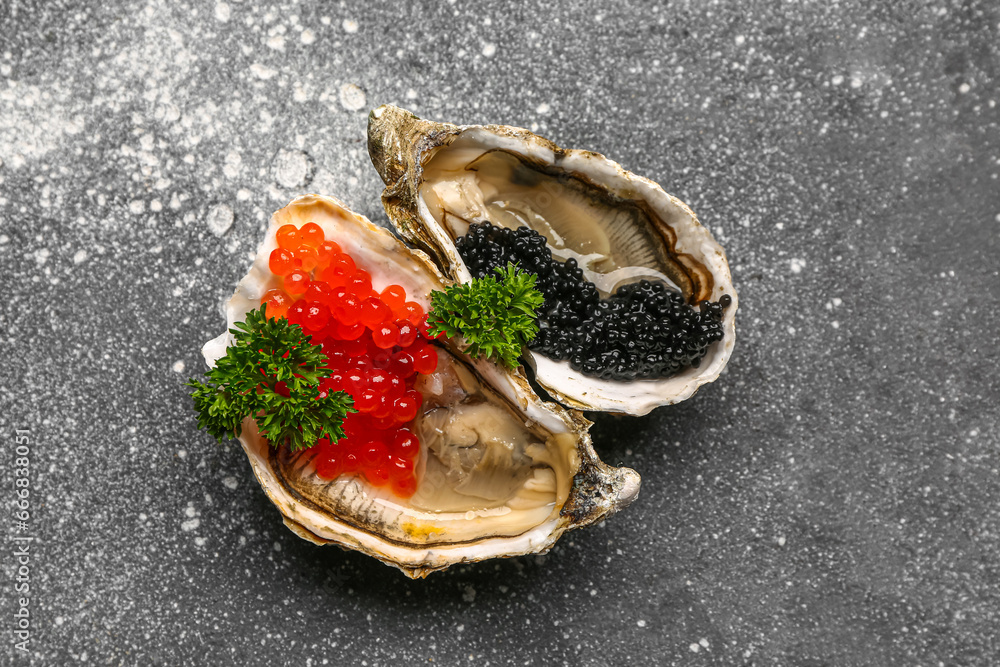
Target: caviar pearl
x: 311, y: 235
x: 307, y: 257
x: 282, y: 262
x: 297, y: 282
x: 288, y: 237
x: 277, y: 303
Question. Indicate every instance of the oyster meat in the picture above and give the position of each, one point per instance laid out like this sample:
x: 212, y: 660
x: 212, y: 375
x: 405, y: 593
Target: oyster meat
x: 619, y: 228
x: 500, y: 472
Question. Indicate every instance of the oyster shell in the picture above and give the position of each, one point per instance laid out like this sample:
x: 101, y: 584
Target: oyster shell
x: 618, y: 226
x: 500, y: 473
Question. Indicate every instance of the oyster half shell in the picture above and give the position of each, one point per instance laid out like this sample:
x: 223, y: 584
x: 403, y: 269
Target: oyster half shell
x: 500, y: 472
x: 619, y: 227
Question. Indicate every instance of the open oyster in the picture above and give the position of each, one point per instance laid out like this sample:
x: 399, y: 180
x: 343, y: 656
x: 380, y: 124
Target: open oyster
x: 620, y: 228
x: 500, y: 473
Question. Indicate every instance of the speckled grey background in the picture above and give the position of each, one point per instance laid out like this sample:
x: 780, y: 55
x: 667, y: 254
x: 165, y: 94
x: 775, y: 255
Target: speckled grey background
x: 833, y: 499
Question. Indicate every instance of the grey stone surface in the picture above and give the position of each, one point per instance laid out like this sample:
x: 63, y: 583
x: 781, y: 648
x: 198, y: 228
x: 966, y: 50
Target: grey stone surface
x: 833, y: 499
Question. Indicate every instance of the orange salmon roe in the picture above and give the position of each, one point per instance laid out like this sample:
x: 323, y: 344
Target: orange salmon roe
x: 282, y: 262
x: 307, y: 256
x: 325, y: 252
x: 277, y: 302
x: 376, y: 343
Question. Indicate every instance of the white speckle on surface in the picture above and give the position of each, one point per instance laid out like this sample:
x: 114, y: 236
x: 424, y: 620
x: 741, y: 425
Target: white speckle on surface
x: 80, y: 256
x: 740, y: 39
x: 350, y: 26
x: 222, y: 12
x: 489, y: 49
x: 230, y: 483
x: 220, y: 219
x: 156, y: 206
x: 694, y: 647
x: 855, y: 82
x: 262, y: 72
x: 791, y: 331
x: 276, y: 42
x: 42, y: 255
x: 641, y: 623
x: 136, y: 206
x: 352, y: 97
x: 797, y: 265
x: 543, y: 108
x: 291, y: 168
x: 837, y: 80
x: 307, y: 37
x: 781, y: 541
x: 703, y: 642
x: 835, y: 324
x: 6, y: 239
x: 233, y: 163
x: 200, y: 541
x: 964, y: 88
x: 178, y: 366
x: 190, y: 524
x: 411, y: 94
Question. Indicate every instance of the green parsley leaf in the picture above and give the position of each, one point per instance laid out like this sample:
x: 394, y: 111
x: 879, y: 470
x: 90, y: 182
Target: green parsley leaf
x: 268, y: 359
x: 496, y: 317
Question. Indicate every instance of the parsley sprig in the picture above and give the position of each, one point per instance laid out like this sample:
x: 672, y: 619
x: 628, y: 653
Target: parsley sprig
x: 271, y: 372
x: 496, y: 317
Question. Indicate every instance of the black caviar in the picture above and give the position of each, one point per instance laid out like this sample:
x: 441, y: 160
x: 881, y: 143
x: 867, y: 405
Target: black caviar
x: 642, y: 331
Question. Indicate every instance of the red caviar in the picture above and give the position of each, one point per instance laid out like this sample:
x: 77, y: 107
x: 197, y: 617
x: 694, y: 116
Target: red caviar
x: 277, y: 302
x: 412, y: 311
x: 288, y: 237
x: 325, y: 252
x: 339, y: 271
x: 297, y: 282
x: 311, y: 235
x: 307, y: 256
x: 393, y: 296
x: 282, y: 262
x: 376, y: 344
